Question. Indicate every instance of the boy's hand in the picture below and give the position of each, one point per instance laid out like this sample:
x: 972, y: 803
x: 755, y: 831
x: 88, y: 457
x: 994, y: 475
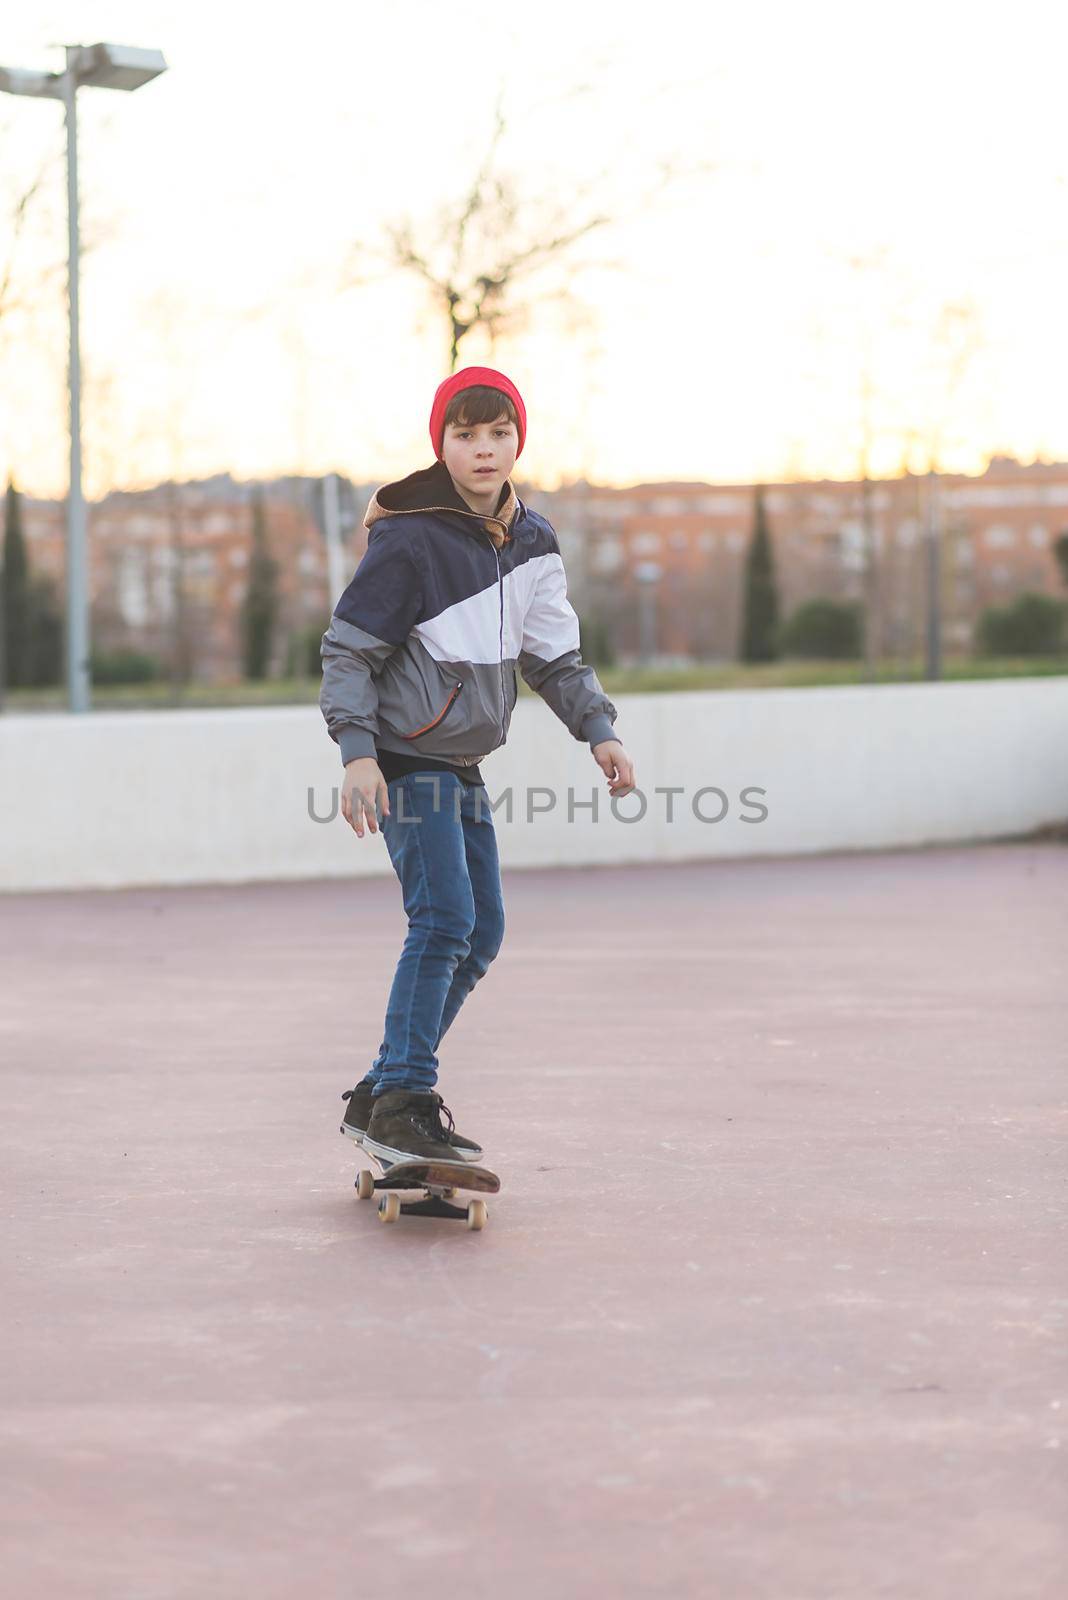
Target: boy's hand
x: 360, y: 791
x: 616, y: 765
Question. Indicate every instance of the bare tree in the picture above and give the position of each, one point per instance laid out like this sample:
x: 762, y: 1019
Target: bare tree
x: 873, y: 625
x: 28, y: 198
x: 897, y: 307
x: 28, y: 195
x: 476, y: 257
x: 958, y: 337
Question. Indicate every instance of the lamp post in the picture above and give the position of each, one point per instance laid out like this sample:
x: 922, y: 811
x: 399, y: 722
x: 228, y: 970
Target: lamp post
x: 933, y: 554
x: 648, y: 574
x: 99, y: 66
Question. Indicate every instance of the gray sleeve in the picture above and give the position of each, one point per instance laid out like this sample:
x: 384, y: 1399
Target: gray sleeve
x: 571, y: 688
x: 372, y: 619
x: 348, y: 696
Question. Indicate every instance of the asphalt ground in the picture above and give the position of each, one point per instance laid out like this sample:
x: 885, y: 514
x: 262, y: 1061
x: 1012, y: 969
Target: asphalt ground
x: 771, y: 1303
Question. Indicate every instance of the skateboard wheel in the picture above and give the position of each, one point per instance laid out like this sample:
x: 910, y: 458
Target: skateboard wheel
x: 365, y: 1184
x: 389, y: 1207
x: 476, y: 1214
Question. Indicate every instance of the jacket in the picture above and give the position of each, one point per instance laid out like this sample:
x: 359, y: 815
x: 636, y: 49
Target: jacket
x: 422, y: 648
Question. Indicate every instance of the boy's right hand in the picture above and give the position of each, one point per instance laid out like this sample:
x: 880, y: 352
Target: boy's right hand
x: 360, y: 791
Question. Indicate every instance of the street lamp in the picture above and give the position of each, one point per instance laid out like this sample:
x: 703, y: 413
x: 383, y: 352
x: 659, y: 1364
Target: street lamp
x: 648, y: 574
x: 933, y: 552
x: 98, y: 66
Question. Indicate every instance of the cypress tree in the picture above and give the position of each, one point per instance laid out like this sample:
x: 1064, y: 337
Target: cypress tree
x: 1060, y: 552
x: 15, y: 621
x: 260, y: 606
x: 46, y: 647
x: 761, y: 616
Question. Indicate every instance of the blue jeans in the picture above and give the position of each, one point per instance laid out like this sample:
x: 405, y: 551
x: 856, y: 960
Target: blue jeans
x: 443, y: 847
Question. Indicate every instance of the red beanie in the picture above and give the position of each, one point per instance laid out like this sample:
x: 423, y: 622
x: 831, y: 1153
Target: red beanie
x: 468, y: 378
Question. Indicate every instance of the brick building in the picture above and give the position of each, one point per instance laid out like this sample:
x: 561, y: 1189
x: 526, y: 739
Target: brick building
x: 661, y: 564
x: 169, y: 567
x: 666, y: 561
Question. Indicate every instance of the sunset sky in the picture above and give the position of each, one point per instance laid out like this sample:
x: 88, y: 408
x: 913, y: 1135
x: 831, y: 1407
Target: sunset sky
x: 870, y: 199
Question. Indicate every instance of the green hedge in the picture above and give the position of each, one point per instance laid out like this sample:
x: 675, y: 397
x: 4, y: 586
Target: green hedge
x: 826, y: 630
x: 124, y: 666
x: 1033, y: 625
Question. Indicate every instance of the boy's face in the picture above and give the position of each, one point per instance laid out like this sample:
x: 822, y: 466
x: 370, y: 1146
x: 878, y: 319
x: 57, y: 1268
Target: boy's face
x: 480, y: 455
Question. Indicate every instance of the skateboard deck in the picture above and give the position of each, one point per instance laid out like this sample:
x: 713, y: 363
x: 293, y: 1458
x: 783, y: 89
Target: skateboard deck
x: 439, y: 1181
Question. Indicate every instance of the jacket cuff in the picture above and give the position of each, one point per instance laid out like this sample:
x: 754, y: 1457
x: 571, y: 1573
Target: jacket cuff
x: 598, y: 728
x: 354, y: 743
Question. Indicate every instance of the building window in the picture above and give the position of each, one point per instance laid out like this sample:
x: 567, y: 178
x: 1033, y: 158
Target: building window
x: 680, y: 539
x: 1039, y: 536
x: 139, y: 525
x: 706, y: 540
x: 851, y: 546
x: 999, y: 536
x: 645, y: 544
x: 611, y: 510
x: 722, y: 505
x: 133, y: 588
x: 992, y: 495
x: 607, y: 556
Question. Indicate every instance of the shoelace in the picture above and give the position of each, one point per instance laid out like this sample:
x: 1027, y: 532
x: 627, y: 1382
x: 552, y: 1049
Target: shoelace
x: 430, y: 1120
x: 448, y: 1132
x: 440, y: 1106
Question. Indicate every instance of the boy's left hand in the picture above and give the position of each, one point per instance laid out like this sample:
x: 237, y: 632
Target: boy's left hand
x: 616, y: 765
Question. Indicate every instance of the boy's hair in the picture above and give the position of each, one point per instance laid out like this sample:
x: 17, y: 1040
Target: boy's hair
x: 480, y: 403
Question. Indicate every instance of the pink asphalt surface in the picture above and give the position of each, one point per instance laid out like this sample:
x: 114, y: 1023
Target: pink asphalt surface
x: 771, y: 1302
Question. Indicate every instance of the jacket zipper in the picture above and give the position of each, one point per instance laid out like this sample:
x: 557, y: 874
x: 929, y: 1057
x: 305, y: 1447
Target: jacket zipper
x: 500, y: 594
x: 437, y: 719
x: 500, y: 641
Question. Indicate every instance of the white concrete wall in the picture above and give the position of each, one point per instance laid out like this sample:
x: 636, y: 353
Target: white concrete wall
x: 123, y: 798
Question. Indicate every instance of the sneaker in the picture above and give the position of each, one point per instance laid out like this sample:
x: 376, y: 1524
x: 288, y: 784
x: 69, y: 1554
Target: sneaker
x: 467, y: 1148
x: 361, y: 1106
x: 406, y: 1125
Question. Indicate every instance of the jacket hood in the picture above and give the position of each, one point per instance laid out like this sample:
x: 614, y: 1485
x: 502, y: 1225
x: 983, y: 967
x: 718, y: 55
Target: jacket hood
x: 432, y: 489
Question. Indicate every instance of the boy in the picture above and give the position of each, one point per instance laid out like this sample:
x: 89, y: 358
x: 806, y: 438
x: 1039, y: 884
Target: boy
x: 460, y: 583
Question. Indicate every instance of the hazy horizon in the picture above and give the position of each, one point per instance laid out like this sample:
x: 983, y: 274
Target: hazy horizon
x: 563, y: 485
x: 885, y: 210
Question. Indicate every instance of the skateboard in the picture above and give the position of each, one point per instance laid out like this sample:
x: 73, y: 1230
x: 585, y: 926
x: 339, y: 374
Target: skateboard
x: 439, y: 1181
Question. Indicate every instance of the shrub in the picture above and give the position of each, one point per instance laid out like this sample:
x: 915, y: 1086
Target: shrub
x: 1033, y: 625
x: 829, y: 630
x: 123, y: 666
x: 303, y: 652
x: 595, y: 642
x: 259, y: 609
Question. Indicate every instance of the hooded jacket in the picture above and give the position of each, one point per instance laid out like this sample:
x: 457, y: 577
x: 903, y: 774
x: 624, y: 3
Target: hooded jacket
x: 421, y: 651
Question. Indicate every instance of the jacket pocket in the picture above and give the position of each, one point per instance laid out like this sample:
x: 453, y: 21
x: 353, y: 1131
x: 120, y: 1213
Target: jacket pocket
x: 511, y: 695
x: 450, y: 702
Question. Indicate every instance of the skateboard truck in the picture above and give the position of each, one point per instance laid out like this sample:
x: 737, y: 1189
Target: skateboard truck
x: 439, y: 1181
